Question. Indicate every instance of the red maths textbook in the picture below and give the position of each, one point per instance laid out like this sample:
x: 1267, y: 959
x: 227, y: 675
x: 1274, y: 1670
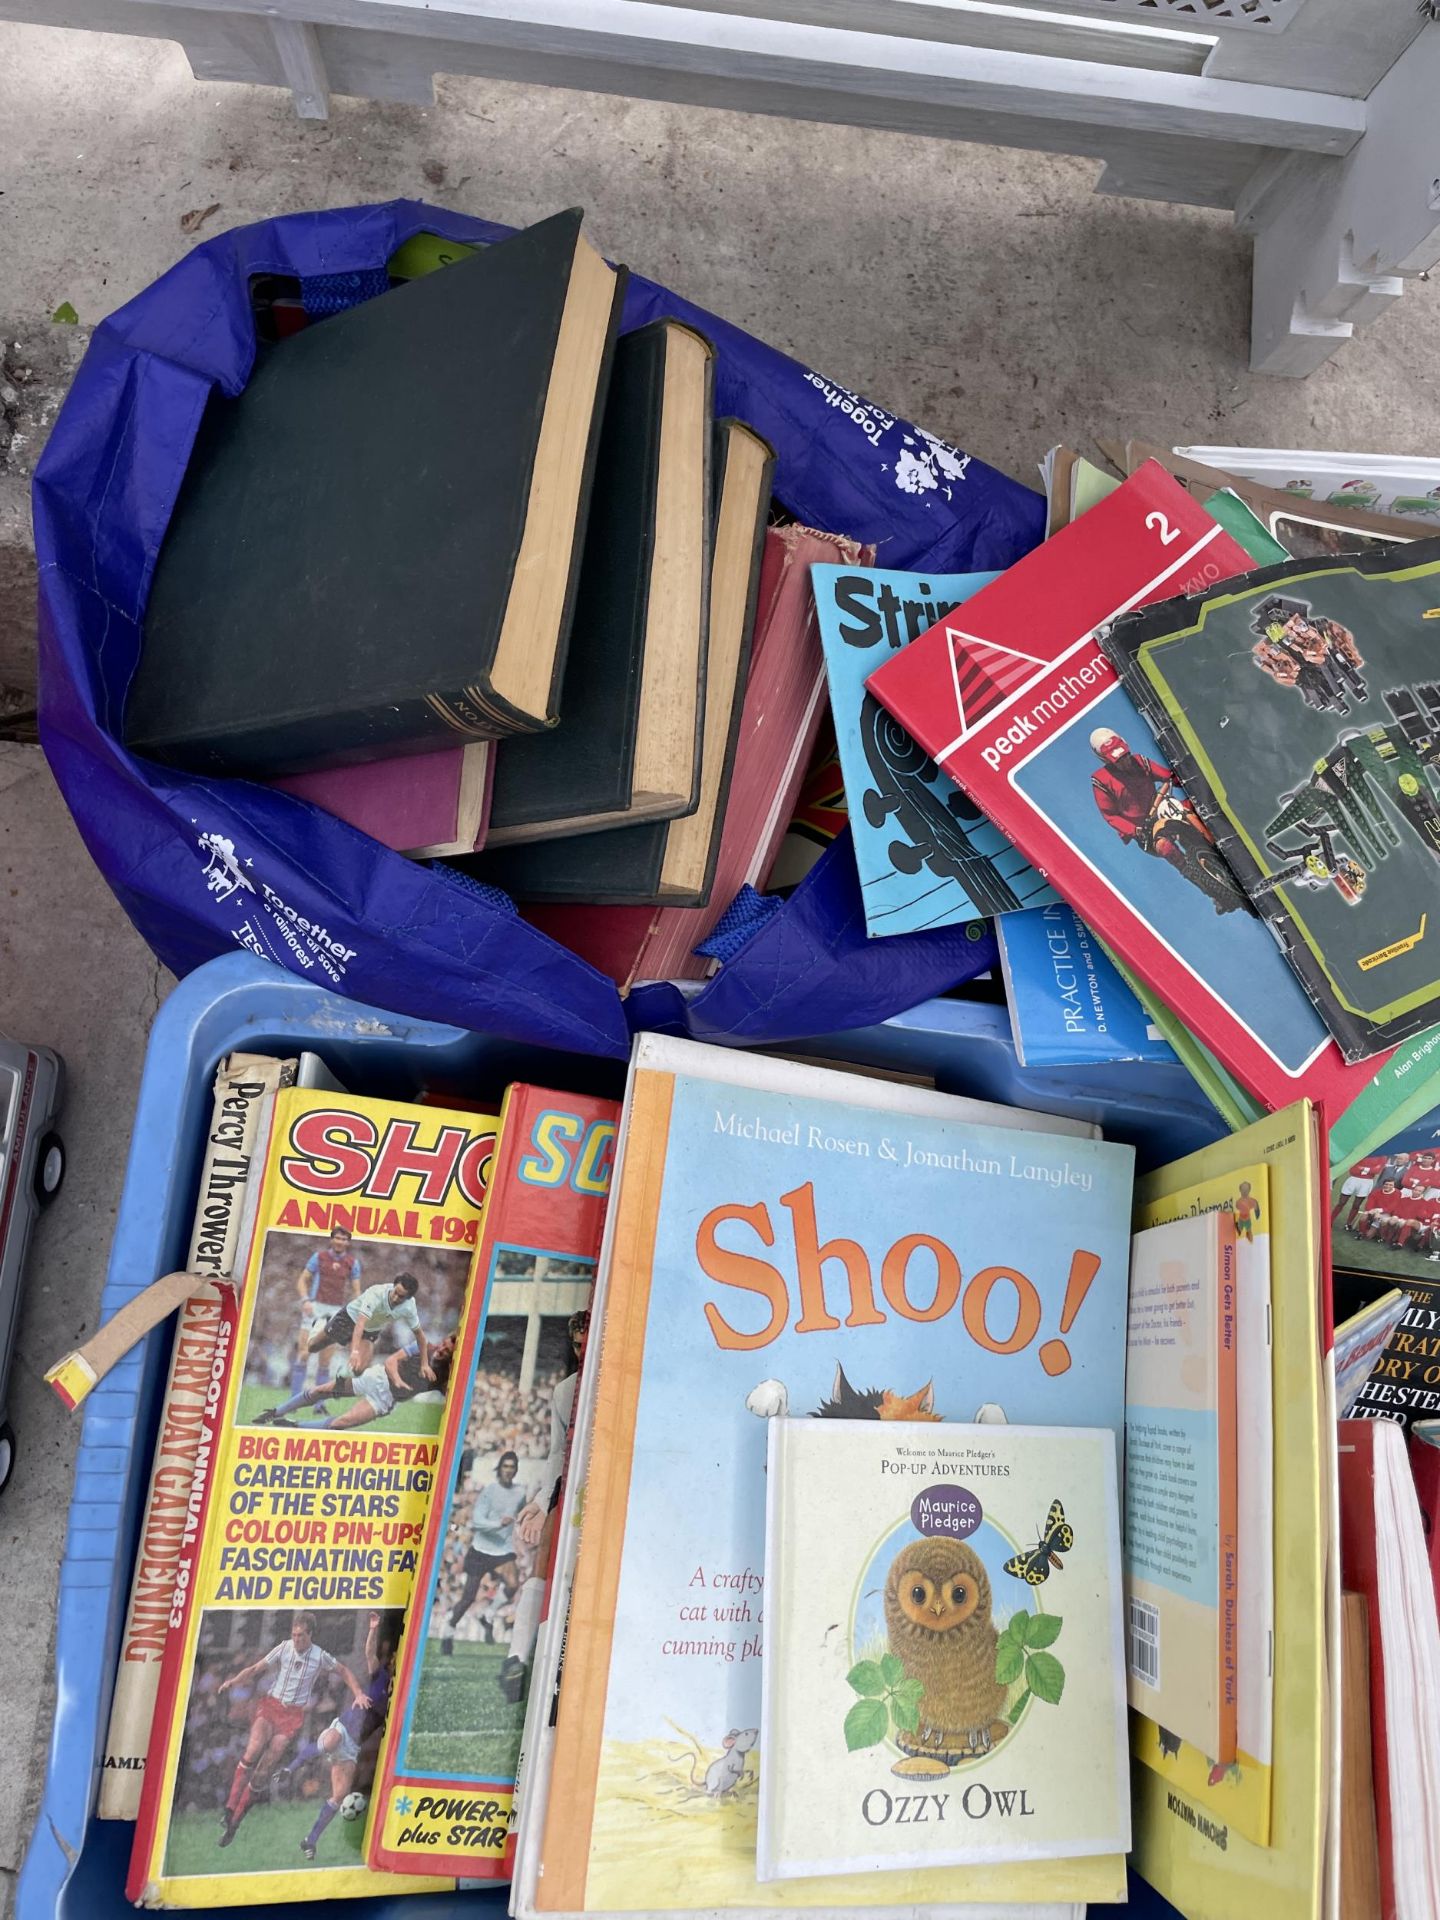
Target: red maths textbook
x: 423, y: 804
x: 1014, y: 698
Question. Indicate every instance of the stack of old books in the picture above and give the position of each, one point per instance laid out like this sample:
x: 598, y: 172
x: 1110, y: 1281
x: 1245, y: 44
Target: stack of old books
x: 471, y: 570
x: 1186, y: 755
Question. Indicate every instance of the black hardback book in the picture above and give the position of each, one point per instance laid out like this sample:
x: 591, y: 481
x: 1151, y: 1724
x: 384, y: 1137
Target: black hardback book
x: 618, y: 868
x: 581, y: 776
x: 627, y: 865
x: 376, y: 543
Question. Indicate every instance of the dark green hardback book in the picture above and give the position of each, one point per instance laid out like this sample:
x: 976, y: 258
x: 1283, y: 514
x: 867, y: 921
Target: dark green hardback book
x: 673, y: 862
x: 628, y: 744
x: 376, y: 543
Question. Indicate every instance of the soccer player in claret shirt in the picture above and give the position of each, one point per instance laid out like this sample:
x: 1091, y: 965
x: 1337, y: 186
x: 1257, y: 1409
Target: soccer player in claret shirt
x: 329, y: 1279
x: 292, y: 1670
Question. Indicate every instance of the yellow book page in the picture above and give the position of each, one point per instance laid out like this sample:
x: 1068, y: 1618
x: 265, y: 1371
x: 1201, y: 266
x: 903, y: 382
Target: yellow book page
x: 619, y: 1838
x: 1205, y: 1864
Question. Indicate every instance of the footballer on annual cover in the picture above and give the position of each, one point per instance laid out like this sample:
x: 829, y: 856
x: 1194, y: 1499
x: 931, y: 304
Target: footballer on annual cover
x: 314, y: 1472
x: 448, y: 1772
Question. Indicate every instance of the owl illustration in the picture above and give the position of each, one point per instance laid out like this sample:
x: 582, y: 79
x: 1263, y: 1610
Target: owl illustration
x: 937, y: 1611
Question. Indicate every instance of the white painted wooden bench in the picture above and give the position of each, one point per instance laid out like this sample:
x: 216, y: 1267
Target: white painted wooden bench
x: 1316, y: 121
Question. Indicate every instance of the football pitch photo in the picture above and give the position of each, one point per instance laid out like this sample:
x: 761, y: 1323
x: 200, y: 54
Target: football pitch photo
x: 414, y: 1416
x: 1369, y: 1256
x: 464, y: 1727
x: 268, y: 1841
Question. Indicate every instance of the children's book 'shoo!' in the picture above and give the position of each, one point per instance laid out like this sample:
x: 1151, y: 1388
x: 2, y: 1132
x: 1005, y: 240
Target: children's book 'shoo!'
x: 447, y: 1776
x: 1302, y: 712
x: 787, y: 1240
x: 977, y: 1657
x: 927, y: 855
x: 1018, y: 702
x: 303, y: 1529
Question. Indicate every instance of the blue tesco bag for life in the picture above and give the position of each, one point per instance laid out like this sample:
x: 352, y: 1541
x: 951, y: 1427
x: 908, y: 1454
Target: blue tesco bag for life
x: 202, y: 865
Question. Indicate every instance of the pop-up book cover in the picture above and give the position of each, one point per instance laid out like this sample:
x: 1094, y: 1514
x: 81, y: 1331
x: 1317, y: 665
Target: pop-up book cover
x: 943, y: 1673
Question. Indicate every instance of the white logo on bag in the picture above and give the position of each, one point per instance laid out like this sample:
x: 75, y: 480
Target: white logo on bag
x: 271, y: 928
x: 933, y: 466
x: 924, y: 464
x: 223, y: 872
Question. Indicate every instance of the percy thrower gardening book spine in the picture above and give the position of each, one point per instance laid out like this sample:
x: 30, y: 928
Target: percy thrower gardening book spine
x: 244, y: 1084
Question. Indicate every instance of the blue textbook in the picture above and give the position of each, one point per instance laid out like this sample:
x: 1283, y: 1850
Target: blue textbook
x: 1069, y: 1007
x: 927, y: 855
x: 784, y: 1240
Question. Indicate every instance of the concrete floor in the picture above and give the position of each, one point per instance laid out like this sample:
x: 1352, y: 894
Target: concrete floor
x: 986, y: 294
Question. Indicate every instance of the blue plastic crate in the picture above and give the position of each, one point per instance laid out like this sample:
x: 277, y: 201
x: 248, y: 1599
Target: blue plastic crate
x: 75, y: 1867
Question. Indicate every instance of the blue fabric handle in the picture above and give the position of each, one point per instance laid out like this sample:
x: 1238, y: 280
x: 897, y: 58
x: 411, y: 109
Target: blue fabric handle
x: 814, y: 954
x: 201, y: 865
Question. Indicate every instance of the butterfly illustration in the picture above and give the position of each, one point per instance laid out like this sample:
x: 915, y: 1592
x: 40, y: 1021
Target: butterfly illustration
x: 1034, y: 1564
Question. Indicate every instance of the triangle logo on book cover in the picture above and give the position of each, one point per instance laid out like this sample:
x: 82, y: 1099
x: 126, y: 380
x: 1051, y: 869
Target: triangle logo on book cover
x: 983, y: 672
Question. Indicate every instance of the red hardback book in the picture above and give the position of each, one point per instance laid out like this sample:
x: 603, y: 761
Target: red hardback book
x: 423, y: 804
x: 446, y: 1778
x: 1015, y: 699
x: 784, y: 705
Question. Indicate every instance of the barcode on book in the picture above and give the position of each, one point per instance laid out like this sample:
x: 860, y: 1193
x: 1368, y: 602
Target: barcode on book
x: 1144, y: 1642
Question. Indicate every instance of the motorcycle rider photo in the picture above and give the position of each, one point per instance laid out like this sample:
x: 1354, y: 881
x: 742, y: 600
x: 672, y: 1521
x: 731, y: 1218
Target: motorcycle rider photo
x: 1139, y: 801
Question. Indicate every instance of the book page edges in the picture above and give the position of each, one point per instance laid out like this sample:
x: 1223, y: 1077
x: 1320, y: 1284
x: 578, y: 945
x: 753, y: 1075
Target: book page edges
x: 590, y: 1635
x: 522, y: 674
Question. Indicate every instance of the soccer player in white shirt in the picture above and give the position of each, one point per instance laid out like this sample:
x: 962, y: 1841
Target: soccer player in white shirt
x: 293, y: 1668
x: 356, y: 1325
x: 492, y: 1544
x: 533, y: 1527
